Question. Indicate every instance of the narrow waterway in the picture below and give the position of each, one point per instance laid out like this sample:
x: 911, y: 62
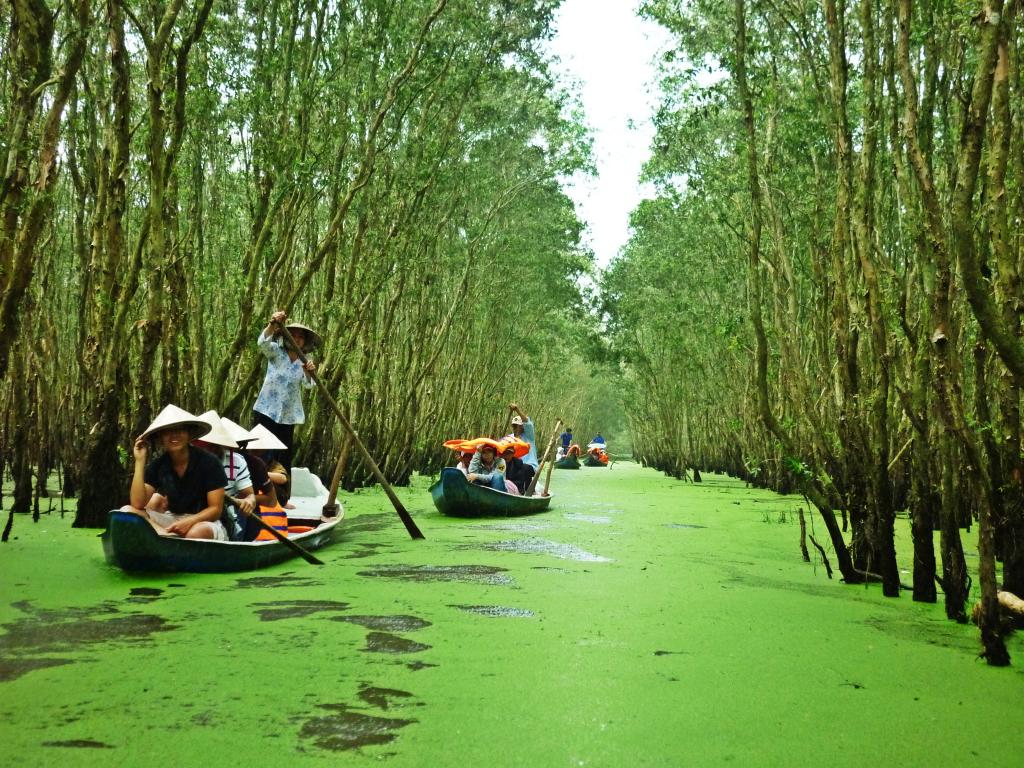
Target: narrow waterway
x: 640, y: 621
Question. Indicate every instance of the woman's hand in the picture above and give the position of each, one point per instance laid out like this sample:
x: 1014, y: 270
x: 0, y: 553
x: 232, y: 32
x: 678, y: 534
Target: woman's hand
x: 279, y: 317
x: 471, y: 476
x: 309, y: 367
x: 140, y: 449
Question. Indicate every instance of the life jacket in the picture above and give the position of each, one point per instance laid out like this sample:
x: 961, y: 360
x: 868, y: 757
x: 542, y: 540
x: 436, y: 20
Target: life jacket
x: 276, y: 518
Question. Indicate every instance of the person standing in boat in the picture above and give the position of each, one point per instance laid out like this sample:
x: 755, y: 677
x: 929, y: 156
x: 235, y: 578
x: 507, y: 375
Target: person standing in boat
x: 523, y: 429
x: 566, y: 440
x: 486, y: 468
x: 279, y: 405
x: 190, y: 479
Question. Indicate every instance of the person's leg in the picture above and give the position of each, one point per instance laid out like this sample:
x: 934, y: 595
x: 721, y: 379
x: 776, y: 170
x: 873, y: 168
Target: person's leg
x: 497, y: 482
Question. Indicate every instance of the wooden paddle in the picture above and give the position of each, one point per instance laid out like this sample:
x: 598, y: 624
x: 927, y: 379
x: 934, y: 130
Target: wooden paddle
x: 551, y: 442
x: 292, y: 545
x: 407, y: 520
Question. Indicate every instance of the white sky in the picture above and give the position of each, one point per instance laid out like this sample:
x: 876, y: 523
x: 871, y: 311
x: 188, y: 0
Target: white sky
x: 611, y: 53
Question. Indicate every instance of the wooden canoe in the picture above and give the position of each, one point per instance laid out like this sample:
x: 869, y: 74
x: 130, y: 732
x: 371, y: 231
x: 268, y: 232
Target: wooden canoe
x: 568, y: 462
x: 454, y: 495
x: 131, y: 543
x: 590, y: 461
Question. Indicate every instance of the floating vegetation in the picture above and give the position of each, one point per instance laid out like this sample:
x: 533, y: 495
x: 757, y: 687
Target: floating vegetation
x: 345, y: 729
x: 385, y: 642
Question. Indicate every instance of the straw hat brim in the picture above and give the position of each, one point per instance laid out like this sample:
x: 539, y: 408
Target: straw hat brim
x: 217, y: 435
x: 238, y: 433
x: 265, y: 440
x: 173, y: 417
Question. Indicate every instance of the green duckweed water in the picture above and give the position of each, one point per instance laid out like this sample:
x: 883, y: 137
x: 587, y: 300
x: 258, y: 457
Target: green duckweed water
x: 641, y: 621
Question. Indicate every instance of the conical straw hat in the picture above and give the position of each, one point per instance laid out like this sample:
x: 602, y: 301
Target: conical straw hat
x: 265, y: 440
x: 313, y: 339
x: 238, y: 433
x: 174, y: 417
x: 217, y: 435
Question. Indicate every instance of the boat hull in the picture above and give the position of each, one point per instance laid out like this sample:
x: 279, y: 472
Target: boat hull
x: 132, y: 544
x: 592, y: 462
x: 569, y: 462
x: 455, y: 496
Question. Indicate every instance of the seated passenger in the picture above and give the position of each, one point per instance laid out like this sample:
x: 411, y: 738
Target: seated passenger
x: 264, y: 447
x: 238, y: 491
x: 574, y: 450
x: 265, y: 495
x: 517, y: 471
x: 190, y: 479
x: 486, y: 468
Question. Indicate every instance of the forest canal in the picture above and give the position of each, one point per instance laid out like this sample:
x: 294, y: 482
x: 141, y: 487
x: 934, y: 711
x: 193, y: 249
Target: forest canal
x: 640, y: 621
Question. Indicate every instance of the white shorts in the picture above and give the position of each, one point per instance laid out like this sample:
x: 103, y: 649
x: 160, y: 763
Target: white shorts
x: 164, y: 519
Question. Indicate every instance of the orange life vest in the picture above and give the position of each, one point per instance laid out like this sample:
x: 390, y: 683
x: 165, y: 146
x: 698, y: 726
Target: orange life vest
x: 276, y: 518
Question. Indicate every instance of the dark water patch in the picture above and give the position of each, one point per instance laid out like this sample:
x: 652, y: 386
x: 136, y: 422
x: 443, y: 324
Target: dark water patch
x: 684, y: 525
x: 145, y: 592
x: 478, y: 574
x: 381, y: 697
x: 671, y: 653
x: 13, y: 668
x: 295, y: 609
x: 369, y: 523
x: 384, y: 642
x: 550, y: 568
x: 496, y: 610
x: 541, y: 547
x: 78, y: 743
x: 416, y: 666
x: 398, y: 623
x: 258, y: 582
x: 177, y: 585
x: 366, y: 549
x: 344, y: 729
x: 44, y: 631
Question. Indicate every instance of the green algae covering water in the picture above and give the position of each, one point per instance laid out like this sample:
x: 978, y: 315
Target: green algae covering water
x: 640, y: 621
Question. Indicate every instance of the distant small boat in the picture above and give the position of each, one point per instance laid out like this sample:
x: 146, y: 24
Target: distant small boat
x: 568, y: 462
x: 590, y: 461
x: 454, y: 495
x: 131, y: 543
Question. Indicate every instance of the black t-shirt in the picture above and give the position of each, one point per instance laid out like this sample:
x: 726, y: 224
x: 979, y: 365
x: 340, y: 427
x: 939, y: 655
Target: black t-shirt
x: 257, y: 472
x: 186, y: 495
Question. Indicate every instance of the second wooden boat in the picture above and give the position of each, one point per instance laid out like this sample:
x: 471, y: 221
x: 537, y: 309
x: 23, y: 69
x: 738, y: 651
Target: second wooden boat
x: 568, y: 462
x: 454, y: 495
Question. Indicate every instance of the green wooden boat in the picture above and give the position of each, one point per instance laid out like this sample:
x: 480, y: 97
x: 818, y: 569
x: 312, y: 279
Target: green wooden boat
x: 568, y: 462
x: 132, y: 544
x: 454, y: 495
x: 590, y: 461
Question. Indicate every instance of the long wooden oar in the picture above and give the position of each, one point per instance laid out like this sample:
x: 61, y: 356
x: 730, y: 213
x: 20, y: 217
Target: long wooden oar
x: 292, y: 545
x: 407, y: 520
x: 536, y: 476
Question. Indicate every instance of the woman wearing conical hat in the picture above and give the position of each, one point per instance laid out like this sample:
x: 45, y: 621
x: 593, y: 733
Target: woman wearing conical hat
x: 279, y: 405
x: 191, y: 480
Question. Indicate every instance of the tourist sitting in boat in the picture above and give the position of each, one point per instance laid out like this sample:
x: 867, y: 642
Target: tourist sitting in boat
x: 486, y: 467
x: 189, y: 479
x: 264, y: 492
x: 523, y: 429
x: 574, y: 450
x: 518, y: 474
x: 265, y: 446
x: 596, y: 451
x: 238, y: 489
x: 463, y: 463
